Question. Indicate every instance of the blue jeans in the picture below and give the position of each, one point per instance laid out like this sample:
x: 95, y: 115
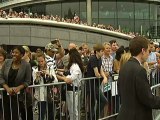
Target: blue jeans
x: 95, y: 94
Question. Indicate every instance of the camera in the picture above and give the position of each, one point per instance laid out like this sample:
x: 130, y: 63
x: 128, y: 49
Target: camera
x: 66, y: 73
x: 49, y: 79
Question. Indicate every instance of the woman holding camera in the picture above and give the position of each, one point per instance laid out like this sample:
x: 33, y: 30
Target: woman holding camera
x: 42, y: 74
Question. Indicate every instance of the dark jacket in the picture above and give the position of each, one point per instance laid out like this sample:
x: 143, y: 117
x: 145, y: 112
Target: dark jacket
x: 135, y: 92
x: 23, y: 75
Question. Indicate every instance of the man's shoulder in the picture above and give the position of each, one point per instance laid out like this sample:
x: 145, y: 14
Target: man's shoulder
x: 131, y: 65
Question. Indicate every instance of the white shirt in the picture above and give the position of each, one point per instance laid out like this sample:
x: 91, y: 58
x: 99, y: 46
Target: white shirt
x: 41, y: 92
x: 76, y: 74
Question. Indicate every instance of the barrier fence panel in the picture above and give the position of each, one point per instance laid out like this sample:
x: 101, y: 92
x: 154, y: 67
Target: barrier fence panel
x: 90, y: 100
x: 154, y: 76
x: 156, y: 112
x: 100, y: 101
x: 37, y: 102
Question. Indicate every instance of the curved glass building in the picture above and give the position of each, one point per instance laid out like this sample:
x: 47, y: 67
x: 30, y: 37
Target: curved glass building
x: 142, y: 16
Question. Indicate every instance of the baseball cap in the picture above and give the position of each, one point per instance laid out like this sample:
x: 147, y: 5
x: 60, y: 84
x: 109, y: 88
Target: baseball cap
x: 51, y: 46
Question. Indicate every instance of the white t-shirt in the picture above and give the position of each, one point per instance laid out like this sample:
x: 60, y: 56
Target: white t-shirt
x: 76, y: 74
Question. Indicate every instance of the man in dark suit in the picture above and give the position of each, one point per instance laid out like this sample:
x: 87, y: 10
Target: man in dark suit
x: 133, y: 85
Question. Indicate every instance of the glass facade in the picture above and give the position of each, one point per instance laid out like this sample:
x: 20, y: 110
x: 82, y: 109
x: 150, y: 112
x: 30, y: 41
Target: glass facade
x: 134, y: 16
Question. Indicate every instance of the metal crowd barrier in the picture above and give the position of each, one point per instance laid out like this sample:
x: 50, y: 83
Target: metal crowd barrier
x: 154, y: 76
x: 156, y: 112
x: 14, y: 103
x: 101, y: 101
x: 89, y: 101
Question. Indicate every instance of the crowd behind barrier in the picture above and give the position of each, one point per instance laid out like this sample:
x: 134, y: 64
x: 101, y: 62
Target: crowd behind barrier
x: 59, y: 91
x: 74, y: 20
x: 83, y: 101
x: 58, y: 102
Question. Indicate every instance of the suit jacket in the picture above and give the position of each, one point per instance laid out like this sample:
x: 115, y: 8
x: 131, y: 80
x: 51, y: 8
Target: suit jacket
x: 137, y: 100
x: 23, y: 75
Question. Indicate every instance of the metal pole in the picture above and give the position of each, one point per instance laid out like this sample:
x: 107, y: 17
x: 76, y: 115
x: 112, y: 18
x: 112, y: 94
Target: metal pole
x: 89, y: 12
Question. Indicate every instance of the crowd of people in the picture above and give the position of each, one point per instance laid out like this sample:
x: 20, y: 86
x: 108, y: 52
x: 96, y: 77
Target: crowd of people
x: 75, y: 20
x: 55, y: 64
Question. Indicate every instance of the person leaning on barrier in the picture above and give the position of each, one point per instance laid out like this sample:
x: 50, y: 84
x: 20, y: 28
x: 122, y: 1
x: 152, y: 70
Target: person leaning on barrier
x: 94, y: 69
x: 15, y: 77
x: 73, y: 78
x: 44, y: 74
x: 137, y: 100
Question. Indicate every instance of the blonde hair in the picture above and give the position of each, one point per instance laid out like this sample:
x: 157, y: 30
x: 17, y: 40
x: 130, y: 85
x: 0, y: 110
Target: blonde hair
x: 124, y: 58
x: 83, y: 44
x: 106, y: 43
x: 26, y: 48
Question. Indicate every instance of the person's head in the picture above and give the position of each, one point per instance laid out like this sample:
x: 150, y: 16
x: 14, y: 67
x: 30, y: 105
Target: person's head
x: 17, y: 53
x: 72, y: 46
x: 41, y: 60
x: 92, y: 52
x: 139, y: 47
x: 156, y: 47
x: 27, y: 51
x: 38, y: 50
x: 80, y: 50
x: 85, y: 48
x: 124, y: 58
x: 2, y: 55
x: 126, y: 49
x: 107, y: 48
x: 33, y: 55
x: 98, y: 50
x: 113, y: 45
x: 119, y: 53
x: 51, y: 49
x: 74, y: 57
x: 151, y: 47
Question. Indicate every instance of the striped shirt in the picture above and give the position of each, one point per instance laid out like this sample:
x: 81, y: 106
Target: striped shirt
x: 107, y: 63
x: 51, y: 62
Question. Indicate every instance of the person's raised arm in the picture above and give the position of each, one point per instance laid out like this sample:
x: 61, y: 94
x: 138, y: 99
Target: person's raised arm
x: 61, y: 51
